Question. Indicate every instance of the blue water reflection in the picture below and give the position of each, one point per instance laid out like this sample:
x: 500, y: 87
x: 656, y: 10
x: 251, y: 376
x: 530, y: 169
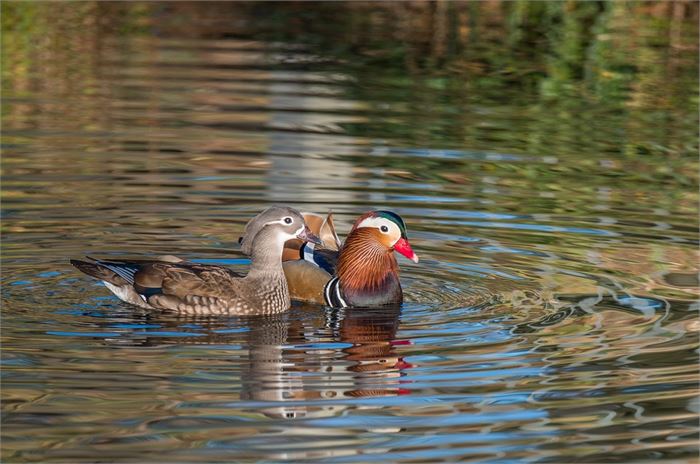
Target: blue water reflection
x: 543, y: 155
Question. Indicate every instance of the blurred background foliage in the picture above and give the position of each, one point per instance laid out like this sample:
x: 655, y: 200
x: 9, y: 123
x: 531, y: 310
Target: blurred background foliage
x: 553, y: 67
x: 537, y: 149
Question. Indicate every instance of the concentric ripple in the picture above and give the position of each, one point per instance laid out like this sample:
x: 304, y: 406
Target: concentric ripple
x: 552, y: 317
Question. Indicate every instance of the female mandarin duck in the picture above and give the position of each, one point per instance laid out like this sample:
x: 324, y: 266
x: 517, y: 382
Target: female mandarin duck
x: 169, y: 283
x: 363, y: 272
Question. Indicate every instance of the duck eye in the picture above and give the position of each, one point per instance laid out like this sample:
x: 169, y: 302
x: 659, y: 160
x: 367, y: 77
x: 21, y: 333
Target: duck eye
x: 288, y: 220
x: 384, y: 229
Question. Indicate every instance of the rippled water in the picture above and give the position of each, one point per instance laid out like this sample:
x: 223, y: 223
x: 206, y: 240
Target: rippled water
x: 552, y: 318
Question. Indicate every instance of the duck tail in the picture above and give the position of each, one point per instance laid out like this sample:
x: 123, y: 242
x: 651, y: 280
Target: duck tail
x: 99, y: 270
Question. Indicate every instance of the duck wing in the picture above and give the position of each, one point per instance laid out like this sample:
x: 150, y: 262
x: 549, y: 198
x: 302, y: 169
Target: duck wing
x: 305, y: 281
x: 308, y: 267
x: 180, y: 285
x: 327, y: 233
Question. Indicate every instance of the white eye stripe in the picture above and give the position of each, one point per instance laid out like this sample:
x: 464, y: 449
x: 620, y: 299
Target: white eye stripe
x: 286, y: 235
x: 392, y: 230
x: 378, y: 222
x: 279, y: 221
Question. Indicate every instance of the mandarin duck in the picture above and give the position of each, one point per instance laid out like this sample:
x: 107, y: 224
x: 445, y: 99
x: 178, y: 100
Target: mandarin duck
x: 361, y: 272
x: 169, y: 283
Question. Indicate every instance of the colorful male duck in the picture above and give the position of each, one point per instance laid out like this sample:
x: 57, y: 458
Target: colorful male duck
x: 363, y: 272
x: 170, y: 283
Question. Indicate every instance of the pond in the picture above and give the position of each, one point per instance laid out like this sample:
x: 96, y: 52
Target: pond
x: 543, y: 156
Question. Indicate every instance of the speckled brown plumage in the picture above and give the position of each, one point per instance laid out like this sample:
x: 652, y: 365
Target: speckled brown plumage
x: 199, y: 289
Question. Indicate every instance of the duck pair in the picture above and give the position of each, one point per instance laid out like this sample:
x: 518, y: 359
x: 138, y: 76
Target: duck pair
x: 361, y: 272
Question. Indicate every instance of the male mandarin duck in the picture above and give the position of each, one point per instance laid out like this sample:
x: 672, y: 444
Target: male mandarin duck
x: 361, y: 272
x: 169, y: 283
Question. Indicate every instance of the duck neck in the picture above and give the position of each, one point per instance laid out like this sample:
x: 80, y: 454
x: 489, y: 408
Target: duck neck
x: 266, y: 257
x: 365, y: 265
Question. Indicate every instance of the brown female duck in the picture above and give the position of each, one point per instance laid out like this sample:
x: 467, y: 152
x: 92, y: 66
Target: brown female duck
x: 363, y: 272
x: 172, y: 284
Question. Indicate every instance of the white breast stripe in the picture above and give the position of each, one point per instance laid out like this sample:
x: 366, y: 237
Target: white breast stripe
x: 337, y: 294
x: 327, y: 291
x: 331, y: 293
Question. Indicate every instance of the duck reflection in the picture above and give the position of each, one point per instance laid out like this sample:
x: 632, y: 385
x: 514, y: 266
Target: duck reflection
x: 309, y: 362
x: 265, y: 376
x: 373, y: 352
x: 298, y: 365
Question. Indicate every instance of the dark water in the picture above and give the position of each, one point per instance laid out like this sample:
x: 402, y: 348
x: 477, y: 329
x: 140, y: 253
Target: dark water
x: 553, y: 316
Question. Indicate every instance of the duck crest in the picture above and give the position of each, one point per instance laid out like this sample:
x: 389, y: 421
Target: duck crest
x: 367, y: 270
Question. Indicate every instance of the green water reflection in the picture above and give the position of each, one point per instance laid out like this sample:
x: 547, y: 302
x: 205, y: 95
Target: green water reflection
x: 543, y: 154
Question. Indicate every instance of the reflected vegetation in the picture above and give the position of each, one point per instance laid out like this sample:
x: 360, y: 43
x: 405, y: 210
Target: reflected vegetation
x: 543, y: 155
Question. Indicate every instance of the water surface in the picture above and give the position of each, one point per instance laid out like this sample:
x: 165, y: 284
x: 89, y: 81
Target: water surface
x: 553, y: 315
